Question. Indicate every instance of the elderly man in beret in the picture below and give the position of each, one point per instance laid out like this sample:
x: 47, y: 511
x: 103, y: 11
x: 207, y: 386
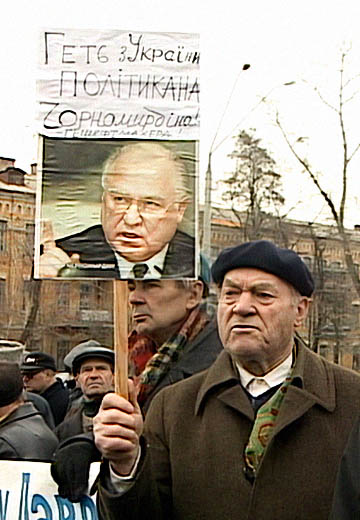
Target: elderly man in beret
x: 258, y: 435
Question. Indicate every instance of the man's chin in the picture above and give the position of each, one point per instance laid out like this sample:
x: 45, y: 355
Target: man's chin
x: 135, y: 255
x: 96, y: 395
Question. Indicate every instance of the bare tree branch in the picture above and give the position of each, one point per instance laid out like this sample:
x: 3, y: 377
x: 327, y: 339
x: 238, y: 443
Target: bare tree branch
x: 306, y: 166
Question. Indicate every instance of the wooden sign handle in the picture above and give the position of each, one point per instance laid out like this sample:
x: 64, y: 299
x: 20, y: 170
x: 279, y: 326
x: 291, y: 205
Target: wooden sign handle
x: 120, y: 289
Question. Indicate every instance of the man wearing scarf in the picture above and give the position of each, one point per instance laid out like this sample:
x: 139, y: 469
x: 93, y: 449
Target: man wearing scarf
x: 258, y: 435
x: 173, y: 336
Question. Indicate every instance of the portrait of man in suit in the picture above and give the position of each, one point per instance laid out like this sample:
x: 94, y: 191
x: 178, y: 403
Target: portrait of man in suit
x: 144, y: 198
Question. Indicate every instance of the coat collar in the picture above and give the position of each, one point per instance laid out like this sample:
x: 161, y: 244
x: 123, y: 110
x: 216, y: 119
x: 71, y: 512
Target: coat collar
x: 313, y: 384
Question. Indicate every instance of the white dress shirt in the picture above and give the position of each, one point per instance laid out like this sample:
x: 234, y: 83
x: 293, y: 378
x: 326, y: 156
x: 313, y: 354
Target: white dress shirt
x: 257, y: 385
x: 158, y: 260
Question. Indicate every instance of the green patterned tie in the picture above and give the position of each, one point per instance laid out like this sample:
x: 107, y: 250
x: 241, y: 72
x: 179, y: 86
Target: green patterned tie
x: 262, y: 429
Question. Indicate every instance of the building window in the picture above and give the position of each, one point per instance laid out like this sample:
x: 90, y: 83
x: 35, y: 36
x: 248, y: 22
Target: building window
x: 85, y: 296
x: 3, y: 229
x: 30, y: 234
x: 64, y: 296
x: 26, y: 294
x: 2, y: 292
x: 63, y: 347
x: 356, y: 360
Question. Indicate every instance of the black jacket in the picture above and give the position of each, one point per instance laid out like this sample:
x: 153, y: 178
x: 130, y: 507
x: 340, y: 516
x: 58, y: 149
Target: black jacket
x: 57, y: 395
x: 71, y: 425
x: 100, y: 260
x: 73, y: 422
x: 346, y: 503
x: 25, y: 435
x: 43, y: 406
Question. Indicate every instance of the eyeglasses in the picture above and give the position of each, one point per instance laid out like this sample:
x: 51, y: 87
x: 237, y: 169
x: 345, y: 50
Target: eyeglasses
x: 145, y: 207
x: 31, y: 373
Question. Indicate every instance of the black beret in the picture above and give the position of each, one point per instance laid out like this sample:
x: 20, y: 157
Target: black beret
x: 11, y: 382
x: 264, y: 255
x: 85, y: 350
x: 38, y: 361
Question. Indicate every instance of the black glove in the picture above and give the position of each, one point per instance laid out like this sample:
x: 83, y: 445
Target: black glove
x: 71, y: 467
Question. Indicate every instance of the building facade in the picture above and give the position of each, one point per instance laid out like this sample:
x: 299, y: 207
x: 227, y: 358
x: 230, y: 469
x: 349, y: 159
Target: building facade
x: 54, y: 315
x: 48, y: 315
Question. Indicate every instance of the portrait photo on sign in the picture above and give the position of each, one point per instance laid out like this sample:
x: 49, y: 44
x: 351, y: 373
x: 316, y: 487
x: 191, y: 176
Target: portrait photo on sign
x: 119, y: 209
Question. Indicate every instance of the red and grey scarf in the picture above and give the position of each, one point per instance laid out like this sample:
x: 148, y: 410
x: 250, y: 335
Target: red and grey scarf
x: 148, y: 364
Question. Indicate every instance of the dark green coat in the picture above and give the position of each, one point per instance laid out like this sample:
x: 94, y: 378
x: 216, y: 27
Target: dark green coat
x: 197, y: 431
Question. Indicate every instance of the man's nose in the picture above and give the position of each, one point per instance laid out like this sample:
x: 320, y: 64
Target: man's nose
x: 244, y: 304
x: 93, y: 372
x: 136, y: 296
x: 132, y: 215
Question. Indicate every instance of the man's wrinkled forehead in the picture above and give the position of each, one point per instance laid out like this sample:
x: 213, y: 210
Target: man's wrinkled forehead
x: 149, y: 180
x: 128, y: 164
x: 248, y: 278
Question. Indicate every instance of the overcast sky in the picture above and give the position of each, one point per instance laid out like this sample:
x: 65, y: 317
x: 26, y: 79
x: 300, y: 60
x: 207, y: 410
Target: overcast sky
x: 283, y: 41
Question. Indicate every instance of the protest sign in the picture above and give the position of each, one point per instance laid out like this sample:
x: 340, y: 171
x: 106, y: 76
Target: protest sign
x: 119, y: 123
x: 27, y: 492
x: 114, y: 84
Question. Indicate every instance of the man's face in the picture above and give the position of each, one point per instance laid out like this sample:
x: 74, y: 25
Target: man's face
x: 257, y: 315
x: 96, y: 377
x: 37, y: 381
x: 142, y: 229
x: 160, y: 307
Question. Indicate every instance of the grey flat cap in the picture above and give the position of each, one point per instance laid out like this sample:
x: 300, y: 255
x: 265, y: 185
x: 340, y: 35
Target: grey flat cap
x: 85, y: 350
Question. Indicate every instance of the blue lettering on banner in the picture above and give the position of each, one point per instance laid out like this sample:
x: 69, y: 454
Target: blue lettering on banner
x: 40, y: 501
x: 23, y: 511
x: 88, y: 506
x: 3, y: 506
x: 39, y: 504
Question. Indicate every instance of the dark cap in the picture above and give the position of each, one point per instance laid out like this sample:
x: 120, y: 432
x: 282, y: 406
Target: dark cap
x: 264, y: 255
x: 85, y: 350
x: 38, y: 361
x: 11, y: 383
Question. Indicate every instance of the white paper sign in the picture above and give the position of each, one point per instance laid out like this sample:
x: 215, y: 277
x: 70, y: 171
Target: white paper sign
x: 118, y: 84
x: 28, y: 492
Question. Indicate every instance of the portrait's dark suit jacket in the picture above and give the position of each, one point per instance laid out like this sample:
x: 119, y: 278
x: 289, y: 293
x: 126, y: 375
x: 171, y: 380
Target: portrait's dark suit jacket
x: 97, y: 258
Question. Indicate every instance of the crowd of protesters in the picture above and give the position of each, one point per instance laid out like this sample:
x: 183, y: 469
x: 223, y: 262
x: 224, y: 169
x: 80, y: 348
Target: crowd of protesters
x: 228, y: 417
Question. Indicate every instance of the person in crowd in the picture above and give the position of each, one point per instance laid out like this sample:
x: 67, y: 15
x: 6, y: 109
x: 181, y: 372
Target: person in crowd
x: 39, y: 402
x: 42, y: 405
x: 172, y: 338
x: 259, y: 434
x: 144, y: 200
x: 346, y: 502
x: 39, y: 375
x: 93, y: 366
x: 23, y: 431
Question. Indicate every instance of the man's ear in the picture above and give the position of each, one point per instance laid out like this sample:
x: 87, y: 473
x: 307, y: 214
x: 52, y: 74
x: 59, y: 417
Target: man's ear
x: 181, y: 210
x: 195, y: 294
x: 302, y: 309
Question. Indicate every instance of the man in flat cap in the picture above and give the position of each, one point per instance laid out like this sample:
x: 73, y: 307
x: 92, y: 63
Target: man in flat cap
x: 93, y: 366
x: 258, y: 435
x: 39, y: 375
